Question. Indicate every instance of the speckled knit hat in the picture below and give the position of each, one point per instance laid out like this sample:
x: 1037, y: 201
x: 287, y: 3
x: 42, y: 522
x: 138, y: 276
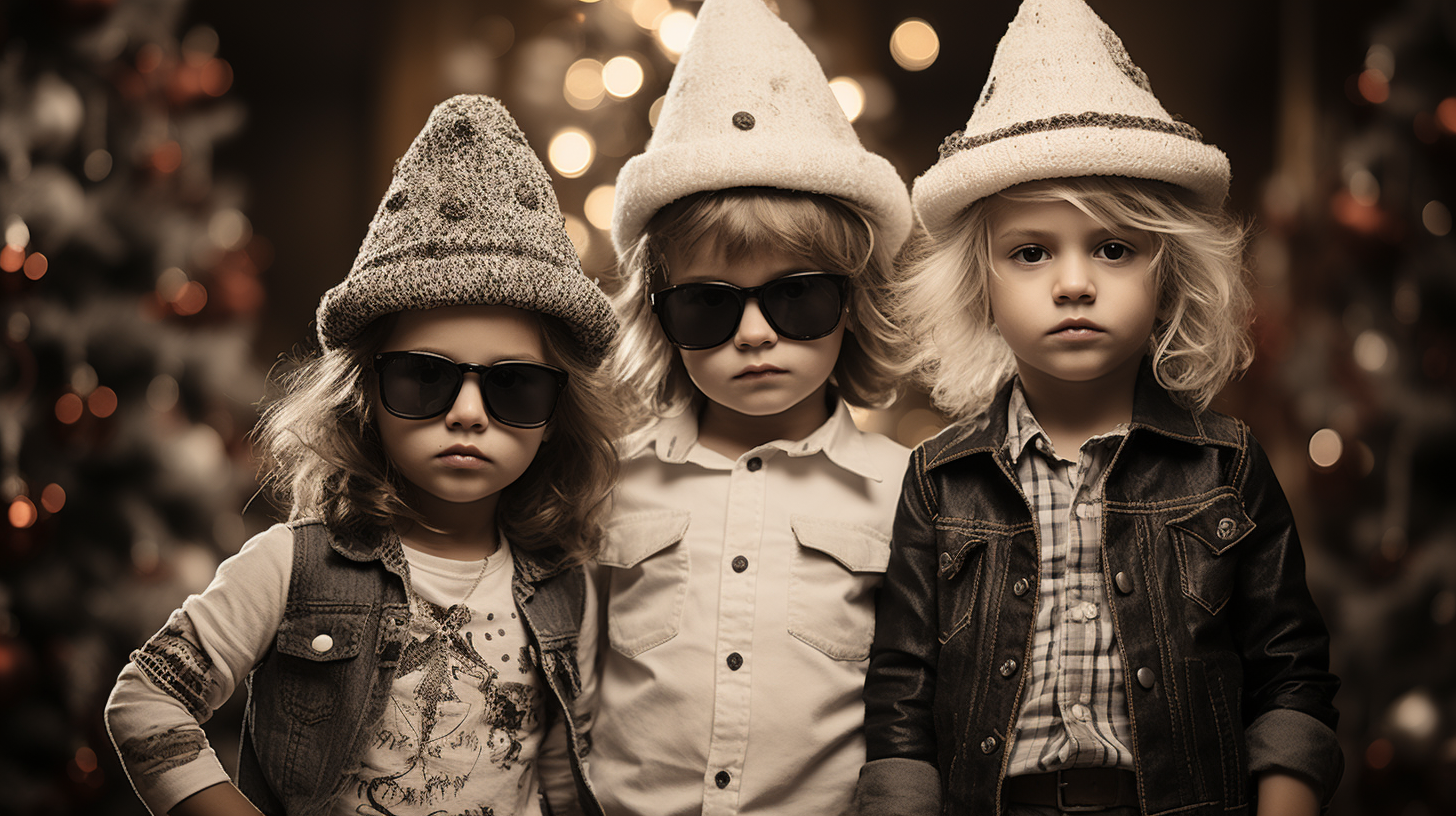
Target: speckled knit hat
x: 1064, y: 100
x: 470, y: 218
x: 749, y: 106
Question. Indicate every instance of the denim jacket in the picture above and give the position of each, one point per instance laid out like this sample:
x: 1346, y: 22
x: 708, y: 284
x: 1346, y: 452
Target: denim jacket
x: 309, y: 714
x: 1225, y: 657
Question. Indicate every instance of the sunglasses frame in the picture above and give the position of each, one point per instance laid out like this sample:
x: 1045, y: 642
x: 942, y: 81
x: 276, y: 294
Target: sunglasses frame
x: 385, y: 357
x: 742, y: 294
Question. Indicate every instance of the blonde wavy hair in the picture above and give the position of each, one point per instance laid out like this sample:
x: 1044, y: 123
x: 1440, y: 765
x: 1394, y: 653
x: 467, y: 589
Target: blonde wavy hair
x: 321, y: 454
x: 823, y: 231
x: 1200, y: 339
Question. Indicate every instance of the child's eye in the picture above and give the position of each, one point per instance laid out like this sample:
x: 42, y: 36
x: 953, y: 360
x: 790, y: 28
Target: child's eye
x: 1030, y: 255
x: 1113, y: 252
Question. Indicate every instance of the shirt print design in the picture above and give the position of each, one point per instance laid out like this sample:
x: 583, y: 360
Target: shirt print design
x: 459, y: 713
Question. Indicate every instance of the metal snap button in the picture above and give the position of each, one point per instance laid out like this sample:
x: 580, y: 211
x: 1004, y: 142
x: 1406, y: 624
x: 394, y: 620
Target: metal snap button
x: 1020, y: 587
x: 1123, y: 581
x: 1145, y: 677
x: 735, y: 661
x: 945, y: 561
x: 988, y: 745
x: 739, y: 563
x: 743, y: 120
x: 1226, y: 528
x: 322, y: 644
x: 1008, y: 668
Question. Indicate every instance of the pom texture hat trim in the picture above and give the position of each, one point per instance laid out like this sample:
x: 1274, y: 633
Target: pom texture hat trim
x: 1063, y: 100
x: 469, y: 219
x: 749, y: 106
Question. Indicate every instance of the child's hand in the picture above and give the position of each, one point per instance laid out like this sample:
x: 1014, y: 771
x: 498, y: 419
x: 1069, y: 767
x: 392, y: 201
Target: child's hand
x: 1285, y: 795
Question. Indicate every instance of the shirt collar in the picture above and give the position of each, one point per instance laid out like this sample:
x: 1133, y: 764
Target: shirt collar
x: 1022, y: 429
x: 674, y: 440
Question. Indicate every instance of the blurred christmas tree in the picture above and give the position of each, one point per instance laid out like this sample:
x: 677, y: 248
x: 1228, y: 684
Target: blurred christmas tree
x: 128, y: 278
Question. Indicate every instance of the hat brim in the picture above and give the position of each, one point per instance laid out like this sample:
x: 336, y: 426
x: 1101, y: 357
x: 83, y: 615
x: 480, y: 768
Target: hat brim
x: 957, y: 181
x: 652, y: 180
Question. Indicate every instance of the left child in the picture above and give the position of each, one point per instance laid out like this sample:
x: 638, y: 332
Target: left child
x: 417, y: 638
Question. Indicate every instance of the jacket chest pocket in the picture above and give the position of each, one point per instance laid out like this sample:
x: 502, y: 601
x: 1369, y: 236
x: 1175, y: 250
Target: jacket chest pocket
x: 957, y: 575
x: 1204, y: 541
x: 649, y: 578
x: 837, y: 568
x: 318, y: 644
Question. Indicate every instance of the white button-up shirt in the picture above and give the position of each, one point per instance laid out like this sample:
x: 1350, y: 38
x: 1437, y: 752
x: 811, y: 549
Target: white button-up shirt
x: 738, y: 601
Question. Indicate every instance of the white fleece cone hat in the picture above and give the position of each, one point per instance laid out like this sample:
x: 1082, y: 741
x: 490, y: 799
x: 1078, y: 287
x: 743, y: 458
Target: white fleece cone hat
x: 749, y: 106
x: 1064, y: 100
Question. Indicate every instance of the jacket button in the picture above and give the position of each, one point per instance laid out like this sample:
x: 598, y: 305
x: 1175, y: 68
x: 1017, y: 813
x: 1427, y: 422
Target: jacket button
x: 1145, y: 677
x: 722, y: 779
x: 1020, y: 587
x: 988, y: 745
x: 739, y: 563
x: 322, y: 643
x: 735, y: 661
x: 1008, y: 668
x: 1226, y: 528
x: 755, y: 464
x: 1123, y: 582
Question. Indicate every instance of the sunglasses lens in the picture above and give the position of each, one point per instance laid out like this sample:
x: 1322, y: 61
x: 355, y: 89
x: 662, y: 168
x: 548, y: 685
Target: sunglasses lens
x: 700, y: 315
x: 804, y: 307
x: 522, y: 394
x: 418, y: 386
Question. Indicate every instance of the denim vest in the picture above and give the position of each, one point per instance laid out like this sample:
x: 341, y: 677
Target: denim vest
x: 309, y: 712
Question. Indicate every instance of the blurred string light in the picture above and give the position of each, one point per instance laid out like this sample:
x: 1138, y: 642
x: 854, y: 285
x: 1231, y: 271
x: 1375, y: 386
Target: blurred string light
x: 580, y: 235
x: 622, y: 76
x: 655, y: 110
x: 53, y: 498
x: 598, y: 206
x: 1446, y: 114
x: 22, y: 513
x: 914, y: 45
x: 649, y: 13
x: 584, y: 87
x: 1364, y: 187
x: 1325, y: 448
x: 851, y: 96
x: 571, y: 152
x: 1372, y: 351
x: 1436, y: 218
x: 674, y: 30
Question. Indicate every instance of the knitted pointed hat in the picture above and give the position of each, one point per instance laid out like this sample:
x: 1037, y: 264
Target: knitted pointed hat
x: 1064, y: 100
x: 749, y: 106
x: 469, y: 219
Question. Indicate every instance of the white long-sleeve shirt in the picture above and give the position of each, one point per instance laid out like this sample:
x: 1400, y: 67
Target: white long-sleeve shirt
x: 738, y: 598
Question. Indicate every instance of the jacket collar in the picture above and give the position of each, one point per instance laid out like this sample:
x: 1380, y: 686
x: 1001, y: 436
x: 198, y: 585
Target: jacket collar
x: 1154, y: 410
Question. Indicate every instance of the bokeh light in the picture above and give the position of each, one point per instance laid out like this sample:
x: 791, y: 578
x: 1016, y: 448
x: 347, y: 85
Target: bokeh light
x: 102, y: 402
x: 163, y: 393
x: 53, y: 498
x: 1372, y: 350
x: 583, y: 86
x: 580, y: 235
x: 1373, y: 85
x: 850, y: 94
x: 1436, y: 218
x: 598, y: 207
x: 622, y: 76
x: 914, y: 45
x: 1446, y: 114
x: 674, y: 31
x: 1325, y: 448
x: 69, y: 409
x: 22, y: 513
x: 571, y: 152
x: 36, y: 266
x: 647, y: 13
x: 655, y: 110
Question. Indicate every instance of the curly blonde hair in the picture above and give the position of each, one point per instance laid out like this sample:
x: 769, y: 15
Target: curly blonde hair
x: 1200, y: 340
x: 823, y: 231
x: 321, y: 454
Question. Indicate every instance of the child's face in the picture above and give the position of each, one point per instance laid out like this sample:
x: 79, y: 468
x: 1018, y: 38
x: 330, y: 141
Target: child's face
x: 757, y: 372
x: 463, y: 455
x: 1075, y: 301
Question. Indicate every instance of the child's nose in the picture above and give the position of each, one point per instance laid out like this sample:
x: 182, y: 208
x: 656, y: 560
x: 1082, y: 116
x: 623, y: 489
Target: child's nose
x: 1073, y: 281
x: 753, y: 327
x: 468, y: 411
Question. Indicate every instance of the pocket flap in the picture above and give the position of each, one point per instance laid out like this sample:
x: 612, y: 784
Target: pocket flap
x: 632, y: 537
x: 1220, y: 524
x: 859, y: 547
x: 322, y: 632
x: 959, y: 542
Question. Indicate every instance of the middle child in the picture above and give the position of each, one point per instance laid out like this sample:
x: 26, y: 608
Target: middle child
x: 751, y: 528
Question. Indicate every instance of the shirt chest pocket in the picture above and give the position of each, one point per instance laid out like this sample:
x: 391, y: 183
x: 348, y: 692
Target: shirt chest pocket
x: 648, y: 569
x: 1205, y: 543
x: 837, y: 568
x: 319, y: 643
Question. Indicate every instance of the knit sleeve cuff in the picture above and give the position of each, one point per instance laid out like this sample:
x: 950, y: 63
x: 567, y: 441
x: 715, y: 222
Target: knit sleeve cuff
x: 896, y: 786
x: 1292, y: 742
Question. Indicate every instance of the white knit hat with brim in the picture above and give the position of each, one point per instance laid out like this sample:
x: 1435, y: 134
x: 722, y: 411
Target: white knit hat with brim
x: 749, y: 106
x: 1064, y: 100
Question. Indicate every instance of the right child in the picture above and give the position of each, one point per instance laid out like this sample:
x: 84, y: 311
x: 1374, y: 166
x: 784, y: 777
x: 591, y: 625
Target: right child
x: 750, y: 531
x: 1096, y: 597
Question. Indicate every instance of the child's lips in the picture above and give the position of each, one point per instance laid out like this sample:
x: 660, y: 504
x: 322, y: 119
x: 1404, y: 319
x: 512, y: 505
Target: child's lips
x: 1077, y: 328
x: 463, y: 456
x: 759, y: 372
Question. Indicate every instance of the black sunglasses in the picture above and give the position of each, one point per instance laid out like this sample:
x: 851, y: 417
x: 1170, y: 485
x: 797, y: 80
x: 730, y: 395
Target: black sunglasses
x: 802, y: 306
x: 421, y: 385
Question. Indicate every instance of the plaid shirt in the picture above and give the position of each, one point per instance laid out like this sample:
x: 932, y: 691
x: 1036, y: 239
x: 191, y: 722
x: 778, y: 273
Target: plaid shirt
x: 1074, y: 712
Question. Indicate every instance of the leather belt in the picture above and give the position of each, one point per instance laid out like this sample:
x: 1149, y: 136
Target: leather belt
x: 1075, y: 790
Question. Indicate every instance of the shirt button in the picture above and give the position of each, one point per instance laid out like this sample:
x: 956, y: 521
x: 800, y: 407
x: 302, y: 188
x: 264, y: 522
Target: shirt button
x: 722, y: 779
x: 1090, y: 611
x: 1043, y: 446
x: 1145, y: 677
x: 1083, y: 510
x: 735, y: 661
x: 1020, y: 587
x: 1008, y: 668
x: 1123, y: 582
x: 988, y: 745
x: 755, y: 464
x: 1081, y: 712
x: 322, y: 643
x: 739, y: 563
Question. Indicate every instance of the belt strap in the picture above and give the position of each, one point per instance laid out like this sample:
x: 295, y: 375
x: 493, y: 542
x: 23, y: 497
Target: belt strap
x: 1075, y: 790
